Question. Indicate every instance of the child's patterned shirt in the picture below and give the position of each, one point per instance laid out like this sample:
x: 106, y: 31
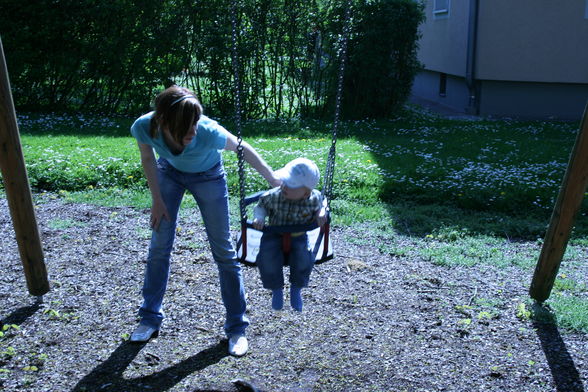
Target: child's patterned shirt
x: 282, y: 211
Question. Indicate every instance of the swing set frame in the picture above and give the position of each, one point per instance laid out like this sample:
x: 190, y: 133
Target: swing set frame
x: 18, y: 191
x: 19, y: 196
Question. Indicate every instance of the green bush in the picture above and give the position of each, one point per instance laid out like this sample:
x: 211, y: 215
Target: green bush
x: 82, y: 59
x: 92, y: 56
x: 381, y: 55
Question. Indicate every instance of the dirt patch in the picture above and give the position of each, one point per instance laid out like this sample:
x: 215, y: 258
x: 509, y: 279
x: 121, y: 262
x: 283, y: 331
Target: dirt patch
x: 372, y: 320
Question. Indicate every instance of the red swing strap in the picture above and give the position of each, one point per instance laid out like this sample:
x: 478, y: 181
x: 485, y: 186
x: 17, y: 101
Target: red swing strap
x: 243, y: 241
x: 286, y: 243
x: 325, y: 230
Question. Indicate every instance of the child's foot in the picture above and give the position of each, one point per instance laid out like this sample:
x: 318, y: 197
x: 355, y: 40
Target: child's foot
x: 277, y: 299
x: 296, y: 298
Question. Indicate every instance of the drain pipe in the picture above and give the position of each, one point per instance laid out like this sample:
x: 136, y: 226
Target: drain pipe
x: 474, y: 99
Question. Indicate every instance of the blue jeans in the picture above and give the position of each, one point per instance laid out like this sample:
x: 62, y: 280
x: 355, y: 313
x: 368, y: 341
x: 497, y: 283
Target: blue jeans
x: 209, y: 189
x: 270, y: 261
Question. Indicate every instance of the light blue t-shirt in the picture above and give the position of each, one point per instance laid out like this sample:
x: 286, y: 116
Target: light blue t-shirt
x: 200, y: 155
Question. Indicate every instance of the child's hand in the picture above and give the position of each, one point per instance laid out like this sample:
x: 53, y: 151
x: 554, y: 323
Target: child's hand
x: 321, y: 216
x: 258, y: 224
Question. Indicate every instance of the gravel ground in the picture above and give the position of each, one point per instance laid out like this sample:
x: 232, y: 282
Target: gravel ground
x: 372, y: 321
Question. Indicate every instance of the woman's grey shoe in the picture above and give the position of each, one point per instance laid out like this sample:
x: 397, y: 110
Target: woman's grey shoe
x: 143, y: 333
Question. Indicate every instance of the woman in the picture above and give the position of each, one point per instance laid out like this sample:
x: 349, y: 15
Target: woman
x: 189, y: 146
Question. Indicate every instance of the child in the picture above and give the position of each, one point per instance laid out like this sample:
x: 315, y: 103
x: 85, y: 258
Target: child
x: 294, y: 202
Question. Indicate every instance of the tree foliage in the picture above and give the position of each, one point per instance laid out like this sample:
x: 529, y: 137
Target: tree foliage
x: 113, y: 56
x: 382, y: 57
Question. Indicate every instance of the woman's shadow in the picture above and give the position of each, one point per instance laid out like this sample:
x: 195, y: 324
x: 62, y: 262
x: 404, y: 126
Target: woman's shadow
x: 108, y: 376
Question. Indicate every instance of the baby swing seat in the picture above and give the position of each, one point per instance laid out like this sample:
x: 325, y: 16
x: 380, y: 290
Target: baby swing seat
x: 249, y: 238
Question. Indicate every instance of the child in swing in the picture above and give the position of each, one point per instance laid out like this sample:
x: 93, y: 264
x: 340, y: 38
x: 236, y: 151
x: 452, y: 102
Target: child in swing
x: 294, y: 202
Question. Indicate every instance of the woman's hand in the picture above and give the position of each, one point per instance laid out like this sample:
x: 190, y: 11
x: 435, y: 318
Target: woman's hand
x: 158, y: 209
x: 274, y: 181
x: 158, y: 212
x: 258, y: 224
x: 251, y: 156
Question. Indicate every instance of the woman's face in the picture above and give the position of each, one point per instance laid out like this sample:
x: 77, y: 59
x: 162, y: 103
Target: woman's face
x: 190, y: 135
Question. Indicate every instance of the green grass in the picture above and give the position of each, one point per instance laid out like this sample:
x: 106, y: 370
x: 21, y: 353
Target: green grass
x: 482, y: 165
x: 570, y: 311
x: 563, y: 284
x: 510, y: 170
x: 107, y: 197
x: 466, y: 193
x: 64, y: 223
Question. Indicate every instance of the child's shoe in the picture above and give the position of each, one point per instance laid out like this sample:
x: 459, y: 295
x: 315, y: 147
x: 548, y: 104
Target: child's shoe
x: 296, y: 298
x: 277, y: 299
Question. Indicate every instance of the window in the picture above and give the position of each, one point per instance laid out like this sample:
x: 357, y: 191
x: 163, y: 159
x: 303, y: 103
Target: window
x: 441, y: 8
x: 442, y: 84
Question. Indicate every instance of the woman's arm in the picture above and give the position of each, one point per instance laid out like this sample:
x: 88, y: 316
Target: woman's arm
x: 158, y: 209
x: 253, y: 158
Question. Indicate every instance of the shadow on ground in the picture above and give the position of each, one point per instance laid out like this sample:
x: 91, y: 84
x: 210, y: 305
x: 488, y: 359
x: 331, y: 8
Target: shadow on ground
x: 108, y: 376
x: 21, y: 314
x: 419, y: 219
x: 563, y: 369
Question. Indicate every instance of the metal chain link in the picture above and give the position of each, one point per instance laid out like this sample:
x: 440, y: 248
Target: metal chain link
x: 328, y: 180
x: 237, y: 92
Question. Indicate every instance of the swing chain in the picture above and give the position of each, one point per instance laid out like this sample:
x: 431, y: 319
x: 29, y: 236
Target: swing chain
x: 328, y: 181
x: 237, y: 92
x: 330, y: 166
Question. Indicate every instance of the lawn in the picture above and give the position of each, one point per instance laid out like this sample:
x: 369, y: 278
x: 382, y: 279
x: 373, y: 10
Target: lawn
x: 501, y: 177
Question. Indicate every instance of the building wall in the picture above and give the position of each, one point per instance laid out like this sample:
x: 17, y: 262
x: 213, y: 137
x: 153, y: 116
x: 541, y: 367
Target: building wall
x: 532, y: 41
x: 531, y: 60
x: 443, y: 45
x: 426, y: 86
x: 527, y: 100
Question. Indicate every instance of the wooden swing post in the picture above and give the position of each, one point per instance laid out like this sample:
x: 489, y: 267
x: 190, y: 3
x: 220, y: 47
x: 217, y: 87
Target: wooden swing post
x: 18, y: 191
x: 566, y: 207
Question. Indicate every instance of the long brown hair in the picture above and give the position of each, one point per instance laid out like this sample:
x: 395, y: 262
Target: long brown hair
x: 176, y: 109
